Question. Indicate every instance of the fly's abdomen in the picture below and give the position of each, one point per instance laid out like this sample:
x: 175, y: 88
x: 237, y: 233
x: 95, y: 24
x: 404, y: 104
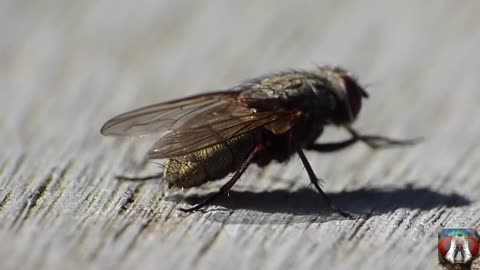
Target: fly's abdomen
x: 209, y: 164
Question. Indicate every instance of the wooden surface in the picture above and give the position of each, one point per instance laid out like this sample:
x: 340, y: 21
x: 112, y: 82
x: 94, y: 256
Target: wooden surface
x: 67, y: 66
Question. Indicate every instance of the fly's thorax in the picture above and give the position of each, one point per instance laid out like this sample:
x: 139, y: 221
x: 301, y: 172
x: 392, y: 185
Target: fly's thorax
x: 208, y: 164
x: 318, y: 108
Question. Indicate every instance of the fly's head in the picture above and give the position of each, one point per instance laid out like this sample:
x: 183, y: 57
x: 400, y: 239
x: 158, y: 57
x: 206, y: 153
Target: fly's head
x: 458, y: 248
x: 347, y: 91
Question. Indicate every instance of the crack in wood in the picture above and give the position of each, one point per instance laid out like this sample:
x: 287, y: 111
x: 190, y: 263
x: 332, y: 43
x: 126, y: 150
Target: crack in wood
x: 208, y: 245
x: 31, y: 202
x: 17, y: 165
x: 130, y: 199
x: 5, y: 200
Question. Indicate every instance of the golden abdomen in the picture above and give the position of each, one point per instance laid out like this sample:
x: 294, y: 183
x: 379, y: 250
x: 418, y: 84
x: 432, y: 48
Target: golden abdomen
x: 209, y: 164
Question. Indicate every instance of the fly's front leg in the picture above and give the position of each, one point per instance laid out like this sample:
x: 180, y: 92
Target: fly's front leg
x: 332, y: 147
x: 376, y: 141
x: 373, y: 141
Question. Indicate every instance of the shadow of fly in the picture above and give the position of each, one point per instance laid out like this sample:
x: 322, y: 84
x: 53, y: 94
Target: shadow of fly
x: 205, y: 137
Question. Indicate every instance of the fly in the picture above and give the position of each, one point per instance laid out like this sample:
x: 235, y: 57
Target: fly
x: 205, y: 137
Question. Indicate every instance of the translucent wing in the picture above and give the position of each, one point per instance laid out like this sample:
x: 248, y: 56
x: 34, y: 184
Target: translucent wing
x: 158, y: 118
x: 211, y: 128
x: 193, y: 123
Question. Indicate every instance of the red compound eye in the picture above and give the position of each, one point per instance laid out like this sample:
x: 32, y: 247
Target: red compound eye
x: 444, y: 245
x: 354, y: 93
x: 473, y: 246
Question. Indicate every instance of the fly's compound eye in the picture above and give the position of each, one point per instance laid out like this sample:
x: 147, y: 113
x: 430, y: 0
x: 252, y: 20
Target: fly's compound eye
x: 472, y: 246
x: 354, y: 94
x: 445, y: 244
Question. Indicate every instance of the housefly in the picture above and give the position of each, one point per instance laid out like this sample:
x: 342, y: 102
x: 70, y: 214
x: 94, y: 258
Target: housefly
x: 270, y: 118
x: 458, y: 247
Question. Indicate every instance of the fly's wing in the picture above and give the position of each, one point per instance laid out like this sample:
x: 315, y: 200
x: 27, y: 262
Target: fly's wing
x: 159, y: 118
x: 209, y: 128
x: 193, y: 123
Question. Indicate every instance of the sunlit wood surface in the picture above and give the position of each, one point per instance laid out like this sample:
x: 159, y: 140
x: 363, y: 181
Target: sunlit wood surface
x: 67, y: 66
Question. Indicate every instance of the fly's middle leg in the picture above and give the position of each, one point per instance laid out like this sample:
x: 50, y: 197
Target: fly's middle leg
x: 314, y: 180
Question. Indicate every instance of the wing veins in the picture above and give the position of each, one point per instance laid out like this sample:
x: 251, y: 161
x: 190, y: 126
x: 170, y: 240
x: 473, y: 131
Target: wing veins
x: 219, y: 122
x: 174, y: 120
x: 246, y: 126
x: 151, y: 117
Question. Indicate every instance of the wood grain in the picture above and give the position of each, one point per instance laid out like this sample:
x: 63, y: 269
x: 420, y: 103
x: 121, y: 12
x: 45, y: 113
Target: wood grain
x: 67, y: 66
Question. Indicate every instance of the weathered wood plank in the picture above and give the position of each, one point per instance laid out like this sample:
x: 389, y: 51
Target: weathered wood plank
x: 65, y: 67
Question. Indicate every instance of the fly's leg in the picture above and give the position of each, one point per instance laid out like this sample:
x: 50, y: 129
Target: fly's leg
x: 375, y: 141
x: 150, y: 177
x: 332, y: 147
x: 227, y: 186
x: 314, y: 180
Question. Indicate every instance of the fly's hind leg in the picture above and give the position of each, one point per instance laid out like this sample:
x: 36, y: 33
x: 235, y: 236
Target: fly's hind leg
x: 135, y: 178
x: 142, y: 178
x: 227, y: 186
